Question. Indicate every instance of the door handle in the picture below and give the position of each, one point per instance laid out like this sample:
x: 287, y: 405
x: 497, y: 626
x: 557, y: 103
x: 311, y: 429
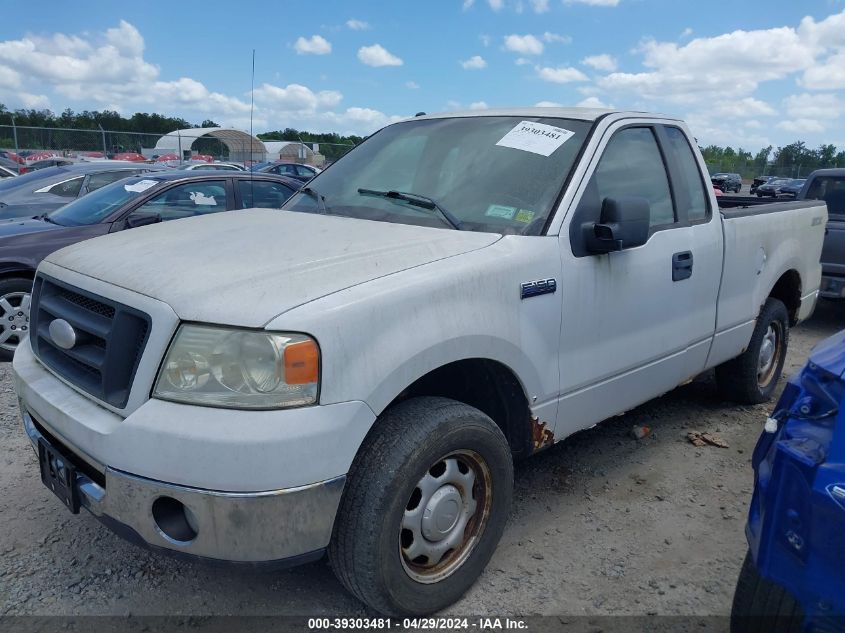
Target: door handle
x: 681, y: 265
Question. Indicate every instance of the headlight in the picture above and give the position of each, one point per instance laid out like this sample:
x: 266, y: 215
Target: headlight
x: 241, y: 369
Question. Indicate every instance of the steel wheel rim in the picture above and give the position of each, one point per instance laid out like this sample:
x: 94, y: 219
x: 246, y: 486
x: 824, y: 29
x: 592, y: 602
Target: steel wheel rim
x: 14, y: 319
x: 445, y: 516
x: 767, y: 359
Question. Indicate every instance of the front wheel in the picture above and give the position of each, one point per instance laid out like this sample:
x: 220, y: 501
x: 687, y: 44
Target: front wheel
x: 14, y: 314
x: 752, y: 377
x: 424, y: 507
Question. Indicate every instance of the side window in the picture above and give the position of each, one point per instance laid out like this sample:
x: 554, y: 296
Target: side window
x: 264, y: 194
x: 184, y: 201
x: 632, y: 166
x: 68, y: 188
x: 95, y: 181
x: 690, y: 193
x: 304, y: 171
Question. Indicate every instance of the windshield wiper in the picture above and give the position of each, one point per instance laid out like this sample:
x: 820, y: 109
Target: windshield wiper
x: 320, y: 198
x: 418, y: 200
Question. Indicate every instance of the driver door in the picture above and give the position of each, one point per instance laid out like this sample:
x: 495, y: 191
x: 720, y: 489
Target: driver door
x: 635, y: 324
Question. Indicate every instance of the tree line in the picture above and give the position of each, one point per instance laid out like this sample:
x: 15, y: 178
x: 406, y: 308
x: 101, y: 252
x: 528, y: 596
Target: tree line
x: 795, y: 160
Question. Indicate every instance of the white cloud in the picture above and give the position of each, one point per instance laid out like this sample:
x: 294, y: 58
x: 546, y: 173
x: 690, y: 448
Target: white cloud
x: 314, y: 45
x: 376, y: 55
x: 412, y: 85
x: 802, y: 126
x: 548, y: 104
x: 827, y: 75
x: 357, y: 25
x: 554, y: 37
x: 686, y: 32
x: 522, y: 61
x: 486, y: 40
x: 593, y: 102
x: 295, y: 97
x: 540, y: 6
x: 594, y: 3
x: 523, y: 44
x: 814, y: 106
x: 496, y: 5
x: 478, y: 105
x: 9, y: 78
x: 741, y: 108
x: 468, y: 4
x: 476, y: 62
x: 561, y: 75
x: 603, y: 62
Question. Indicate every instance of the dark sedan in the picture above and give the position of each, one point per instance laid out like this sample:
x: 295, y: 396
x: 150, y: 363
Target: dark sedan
x: 44, y: 190
x: 793, y: 187
x: 133, y: 202
x: 772, y: 188
x: 303, y: 173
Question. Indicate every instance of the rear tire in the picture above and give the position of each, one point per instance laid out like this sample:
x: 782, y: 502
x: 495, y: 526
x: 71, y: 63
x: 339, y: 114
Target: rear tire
x: 752, y: 377
x: 14, y: 314
x: 427, y: 461
x: 760, y: 606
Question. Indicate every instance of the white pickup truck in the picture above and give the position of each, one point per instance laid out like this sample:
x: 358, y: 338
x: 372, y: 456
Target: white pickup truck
x: 355, y: 374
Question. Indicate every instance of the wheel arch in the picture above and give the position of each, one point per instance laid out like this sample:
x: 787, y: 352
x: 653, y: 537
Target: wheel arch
x: 493, y: 388
x: 787, y: 289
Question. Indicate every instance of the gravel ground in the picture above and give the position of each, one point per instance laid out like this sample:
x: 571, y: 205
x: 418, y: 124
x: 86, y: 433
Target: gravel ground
x: 602, y: 524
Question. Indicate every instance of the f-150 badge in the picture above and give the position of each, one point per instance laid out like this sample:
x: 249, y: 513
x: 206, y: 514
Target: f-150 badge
x: 539, y: 287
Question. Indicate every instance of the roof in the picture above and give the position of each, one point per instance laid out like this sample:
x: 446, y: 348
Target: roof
x: 582, y: 114
x: 832, y: 171
x: 234, y: 139
x: 194, y: 174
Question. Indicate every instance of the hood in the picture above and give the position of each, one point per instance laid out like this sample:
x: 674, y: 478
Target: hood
x: 246, y: 267
x: 23, y: 226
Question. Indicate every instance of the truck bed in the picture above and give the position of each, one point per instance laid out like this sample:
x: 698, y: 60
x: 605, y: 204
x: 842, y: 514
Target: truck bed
x: 729, y: 205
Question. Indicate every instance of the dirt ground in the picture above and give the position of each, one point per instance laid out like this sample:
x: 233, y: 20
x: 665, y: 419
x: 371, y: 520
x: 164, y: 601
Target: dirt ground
x: 602, y: 524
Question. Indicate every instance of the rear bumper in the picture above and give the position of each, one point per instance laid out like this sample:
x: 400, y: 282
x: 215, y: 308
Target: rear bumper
x: 832, y: 287
x: 281, y: 527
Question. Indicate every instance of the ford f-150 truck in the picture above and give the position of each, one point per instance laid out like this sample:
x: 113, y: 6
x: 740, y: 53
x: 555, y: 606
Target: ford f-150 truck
x: 356, y: 373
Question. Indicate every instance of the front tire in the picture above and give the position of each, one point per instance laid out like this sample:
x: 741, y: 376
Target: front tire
x: 752, y: 377
x: 424, y: 507
x: 760, y: 605
x: 14, y: 314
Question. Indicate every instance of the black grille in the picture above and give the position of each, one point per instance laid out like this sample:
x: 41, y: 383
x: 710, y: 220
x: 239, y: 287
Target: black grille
x: 110, y: 339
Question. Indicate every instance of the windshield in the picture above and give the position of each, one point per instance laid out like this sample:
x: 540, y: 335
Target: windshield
x: 496, y: 174
x: 98, y: 205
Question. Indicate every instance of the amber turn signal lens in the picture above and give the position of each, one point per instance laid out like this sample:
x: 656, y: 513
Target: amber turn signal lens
x: 302, y: 363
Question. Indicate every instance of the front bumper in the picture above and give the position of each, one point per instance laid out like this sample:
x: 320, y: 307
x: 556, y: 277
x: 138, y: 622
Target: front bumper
x: 278, y: 526
x: 259, y: 486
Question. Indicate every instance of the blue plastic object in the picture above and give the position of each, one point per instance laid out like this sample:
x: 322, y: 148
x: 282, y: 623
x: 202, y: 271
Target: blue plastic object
x: 796, y: 523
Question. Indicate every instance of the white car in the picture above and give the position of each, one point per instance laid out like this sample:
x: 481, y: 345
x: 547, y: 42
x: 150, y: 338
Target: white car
x: 212, y: 167
x: 357, y: 373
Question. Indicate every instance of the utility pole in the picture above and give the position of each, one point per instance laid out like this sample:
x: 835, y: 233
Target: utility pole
x: 103, y: 132
x: 15, y: 133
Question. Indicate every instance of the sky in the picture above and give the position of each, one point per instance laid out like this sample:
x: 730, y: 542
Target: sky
x: 742, y: 73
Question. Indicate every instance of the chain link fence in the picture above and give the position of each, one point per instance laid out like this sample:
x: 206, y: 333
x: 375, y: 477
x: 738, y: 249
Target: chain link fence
x: 210, y: 145
x: 749, y: 169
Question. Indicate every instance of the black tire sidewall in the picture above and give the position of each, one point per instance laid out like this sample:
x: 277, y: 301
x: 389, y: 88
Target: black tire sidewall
x: 773, y: 311
x: 409, y: 595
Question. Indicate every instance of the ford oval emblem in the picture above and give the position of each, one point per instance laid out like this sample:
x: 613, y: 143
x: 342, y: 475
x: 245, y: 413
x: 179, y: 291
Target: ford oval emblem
x: 62, y: 333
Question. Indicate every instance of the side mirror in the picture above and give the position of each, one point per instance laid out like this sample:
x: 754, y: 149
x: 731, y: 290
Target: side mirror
x: 624, y: 223
x: 141, y: 218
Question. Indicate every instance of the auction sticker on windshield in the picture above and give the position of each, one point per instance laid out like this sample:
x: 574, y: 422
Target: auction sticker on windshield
x: 140, y: 186
x: 537, y: 138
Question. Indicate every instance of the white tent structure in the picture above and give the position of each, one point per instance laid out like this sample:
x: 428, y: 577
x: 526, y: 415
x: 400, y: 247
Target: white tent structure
x: 242, y: 146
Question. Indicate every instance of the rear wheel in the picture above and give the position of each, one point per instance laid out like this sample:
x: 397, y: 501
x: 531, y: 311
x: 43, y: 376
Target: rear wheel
x: 752, y: 377
x: 14, y: 314
x: 760, y: 606
x: 424, y: 507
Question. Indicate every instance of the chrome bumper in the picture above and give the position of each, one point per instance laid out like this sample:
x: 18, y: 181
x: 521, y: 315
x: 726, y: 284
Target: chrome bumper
x: 273, y: 526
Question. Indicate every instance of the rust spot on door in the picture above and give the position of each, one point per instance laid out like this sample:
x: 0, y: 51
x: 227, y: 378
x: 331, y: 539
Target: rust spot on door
x: 541, y: 436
